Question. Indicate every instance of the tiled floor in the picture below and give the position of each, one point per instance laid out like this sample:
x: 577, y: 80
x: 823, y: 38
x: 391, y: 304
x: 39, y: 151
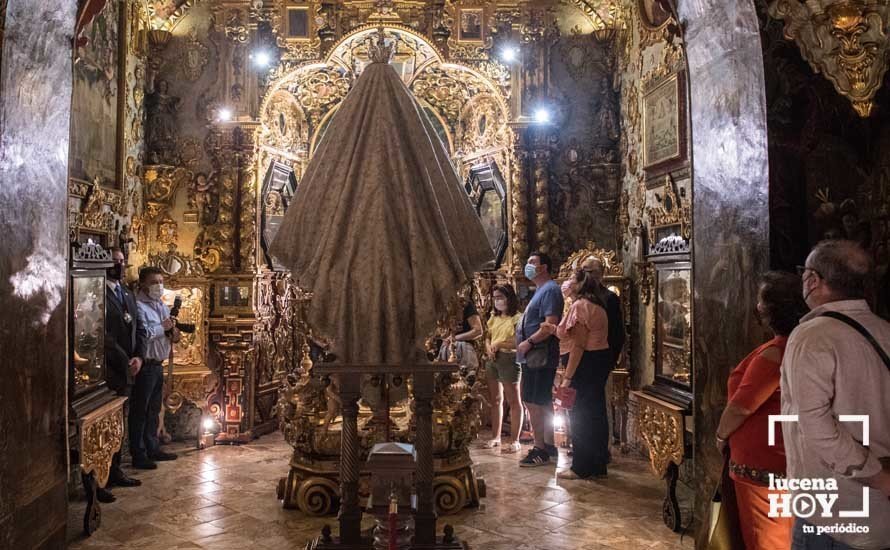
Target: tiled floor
x: 224, y: 498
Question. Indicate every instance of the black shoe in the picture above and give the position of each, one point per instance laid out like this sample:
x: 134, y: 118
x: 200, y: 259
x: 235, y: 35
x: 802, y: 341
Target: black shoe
x: 161, y: 456
x: 104, y: 496
x: 144, y: 464
x: 535, y: 457
x: 123, y: 480
x: 552, y: 451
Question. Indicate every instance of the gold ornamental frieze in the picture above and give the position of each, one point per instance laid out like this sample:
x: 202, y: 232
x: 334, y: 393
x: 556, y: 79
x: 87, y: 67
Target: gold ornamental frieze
x: 101, y: 432
x: 845, y: 40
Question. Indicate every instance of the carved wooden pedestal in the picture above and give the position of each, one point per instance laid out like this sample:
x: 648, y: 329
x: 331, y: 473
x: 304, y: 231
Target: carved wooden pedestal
x: 350, y: 515
x: 100, y: 433
x: 662, y: 427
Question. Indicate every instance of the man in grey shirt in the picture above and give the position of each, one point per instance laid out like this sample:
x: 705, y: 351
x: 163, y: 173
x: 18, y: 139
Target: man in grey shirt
x: 829, y: 370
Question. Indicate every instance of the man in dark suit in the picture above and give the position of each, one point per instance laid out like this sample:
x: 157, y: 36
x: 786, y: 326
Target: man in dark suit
x: 124, y: 346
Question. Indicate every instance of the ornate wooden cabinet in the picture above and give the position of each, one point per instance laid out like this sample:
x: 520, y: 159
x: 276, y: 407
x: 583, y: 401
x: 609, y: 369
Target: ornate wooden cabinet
x: 96, y: 414
x: 665, y: 405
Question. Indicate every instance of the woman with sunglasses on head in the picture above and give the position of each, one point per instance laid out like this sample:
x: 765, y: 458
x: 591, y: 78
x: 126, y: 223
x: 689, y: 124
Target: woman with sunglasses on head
x: 584, y: 336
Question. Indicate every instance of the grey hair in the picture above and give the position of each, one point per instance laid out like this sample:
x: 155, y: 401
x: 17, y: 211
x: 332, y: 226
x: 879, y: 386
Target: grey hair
x: 594, y: 265
x: 843, y: 265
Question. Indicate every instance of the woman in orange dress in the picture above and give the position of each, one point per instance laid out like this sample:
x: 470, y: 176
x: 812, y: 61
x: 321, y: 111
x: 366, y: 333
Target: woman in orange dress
x: 754, y: 396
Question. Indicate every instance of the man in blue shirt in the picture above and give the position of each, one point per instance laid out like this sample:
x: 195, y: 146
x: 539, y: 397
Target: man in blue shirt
x: 538, y: 354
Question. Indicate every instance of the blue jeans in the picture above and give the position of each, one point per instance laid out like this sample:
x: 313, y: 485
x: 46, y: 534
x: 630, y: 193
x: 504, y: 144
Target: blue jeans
x: 145, y: 409
x: 812, y: 541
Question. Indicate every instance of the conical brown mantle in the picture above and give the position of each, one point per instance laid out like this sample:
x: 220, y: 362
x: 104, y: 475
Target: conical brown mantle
x: 380, y: 229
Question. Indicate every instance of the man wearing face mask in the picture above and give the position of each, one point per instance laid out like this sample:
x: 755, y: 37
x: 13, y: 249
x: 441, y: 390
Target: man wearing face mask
x: 836, y: 364
x: 124, y: 344
x: 537, y: 352
x: 145, y: 404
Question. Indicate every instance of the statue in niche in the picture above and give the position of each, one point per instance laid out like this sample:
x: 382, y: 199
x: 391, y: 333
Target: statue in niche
x: 160, y: 136
x: 203, y: 196
x: 607, y: 127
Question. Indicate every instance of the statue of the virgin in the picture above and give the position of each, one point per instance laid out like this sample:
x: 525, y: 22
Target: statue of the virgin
x: 380, y: 229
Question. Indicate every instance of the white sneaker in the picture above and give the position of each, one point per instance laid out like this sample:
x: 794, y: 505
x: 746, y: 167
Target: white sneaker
x: 567, y: 474
x: 492, y: 443
x: 514, y: 447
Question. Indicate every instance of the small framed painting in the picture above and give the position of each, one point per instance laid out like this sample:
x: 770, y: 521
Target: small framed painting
x: 664, y: 125
x: 471, y: 23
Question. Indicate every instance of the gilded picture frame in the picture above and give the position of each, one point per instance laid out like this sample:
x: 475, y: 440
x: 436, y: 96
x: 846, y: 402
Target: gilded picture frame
x: 470, y: 25
x: 100, y: 85
x: 298, y: 22
x: 664, y: 125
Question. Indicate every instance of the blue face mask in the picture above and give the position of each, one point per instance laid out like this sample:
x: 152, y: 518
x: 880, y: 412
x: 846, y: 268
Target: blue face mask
x: 531, y: 271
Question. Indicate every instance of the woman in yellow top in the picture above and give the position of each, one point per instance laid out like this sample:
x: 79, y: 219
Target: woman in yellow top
x: 502, y: 370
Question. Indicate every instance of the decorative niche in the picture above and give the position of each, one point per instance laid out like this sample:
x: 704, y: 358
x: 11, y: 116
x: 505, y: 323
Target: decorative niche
x: 669, y: 232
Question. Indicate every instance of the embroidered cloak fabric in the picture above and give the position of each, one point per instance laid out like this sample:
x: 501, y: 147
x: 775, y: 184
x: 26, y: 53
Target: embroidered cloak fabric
x: 380, y: 229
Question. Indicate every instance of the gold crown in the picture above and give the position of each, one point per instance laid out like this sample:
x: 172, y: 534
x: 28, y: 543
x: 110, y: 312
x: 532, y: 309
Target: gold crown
x: 378, y: 50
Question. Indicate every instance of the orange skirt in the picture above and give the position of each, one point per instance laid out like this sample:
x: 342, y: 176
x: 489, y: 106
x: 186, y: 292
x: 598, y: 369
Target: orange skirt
x: 760, y: 531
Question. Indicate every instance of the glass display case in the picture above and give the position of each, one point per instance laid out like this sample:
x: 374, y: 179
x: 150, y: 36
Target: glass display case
x: 673, y: 324
x: 487, y: 192
x: 279, y: 187
x: 87, y: 318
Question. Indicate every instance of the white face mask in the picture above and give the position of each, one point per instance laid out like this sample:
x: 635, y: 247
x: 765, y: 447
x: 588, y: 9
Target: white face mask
x: 500, y: 304
x: 156, y: 291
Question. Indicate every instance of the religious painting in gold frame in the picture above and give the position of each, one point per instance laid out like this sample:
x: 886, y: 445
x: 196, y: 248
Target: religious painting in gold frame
x: 233, y: 296
x: 298, y: 22
x: 471, y: 25
x: 664, y: 125
x: 98, y: 96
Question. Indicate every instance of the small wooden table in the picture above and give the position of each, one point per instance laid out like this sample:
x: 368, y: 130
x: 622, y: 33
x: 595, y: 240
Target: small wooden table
x: 100, y: 433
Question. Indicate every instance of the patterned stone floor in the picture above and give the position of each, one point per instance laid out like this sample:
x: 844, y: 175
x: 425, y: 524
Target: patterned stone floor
x: 224, y: 498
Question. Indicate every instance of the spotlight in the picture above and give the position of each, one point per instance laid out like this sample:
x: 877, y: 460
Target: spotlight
x: 224, y: 115
x: 261, y: 59
x: 542, y: 115
x: 509, y: 54
x: 209, y: 424
x: 558, y: 422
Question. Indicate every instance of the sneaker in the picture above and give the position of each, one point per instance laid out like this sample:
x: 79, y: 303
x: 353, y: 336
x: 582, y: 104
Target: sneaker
x: 514, y: 447
x: 552, y: 451
x: 567, y: 474
x: 535, y: 457
x: 492, y: 443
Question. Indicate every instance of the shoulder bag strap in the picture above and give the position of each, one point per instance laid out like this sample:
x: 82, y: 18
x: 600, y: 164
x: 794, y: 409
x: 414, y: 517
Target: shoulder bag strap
x: 861, y: 330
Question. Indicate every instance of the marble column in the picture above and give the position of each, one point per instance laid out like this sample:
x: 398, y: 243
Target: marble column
x: 35, y: 104
x: 730, y: 210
